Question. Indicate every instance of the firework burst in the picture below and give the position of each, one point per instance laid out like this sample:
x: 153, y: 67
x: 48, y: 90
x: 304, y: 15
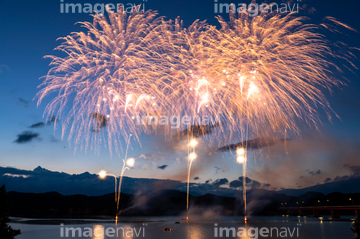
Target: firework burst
x: 109, y: 73
x: 274, y: 68
x: 260, y: 74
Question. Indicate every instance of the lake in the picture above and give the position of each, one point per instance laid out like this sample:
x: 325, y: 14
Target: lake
x: 195, y: 228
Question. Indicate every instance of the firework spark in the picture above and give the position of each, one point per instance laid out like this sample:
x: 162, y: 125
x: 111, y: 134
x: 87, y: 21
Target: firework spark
x: 261, y: 74
x: 109, y: 73
x: 273, y: 68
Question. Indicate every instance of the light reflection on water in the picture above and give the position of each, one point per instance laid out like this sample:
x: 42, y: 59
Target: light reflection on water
x: 246, y: 236
x: 309, y: 227
x: 194, y: 231
x: 98, y: 232
x: 128, y: 232
x: 116, y: 231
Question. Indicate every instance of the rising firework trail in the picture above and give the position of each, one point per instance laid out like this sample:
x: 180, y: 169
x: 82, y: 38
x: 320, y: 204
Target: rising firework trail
x: 103, y: 174
x: 126, y: 164
x: 191, y: 157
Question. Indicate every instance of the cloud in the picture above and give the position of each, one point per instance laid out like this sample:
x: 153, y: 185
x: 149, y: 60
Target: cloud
x: 162, y: 167
x: 313, y: 173
x: 248, y: 180
x: 196, y: 131
x: 52, y: 119
x: 37, y: 125
x: 235, y: 184
x: 354, y: 169
x: 208, y: 181
x: 255, y: 184
x: 150, y: 156
x: 341, y: 178
x: 217, y: 169
x: 252, y: 144
x: 327, y: 180
x: 25, y: 137
x: 313, y: 153
x: 16, y: 175
x: 249, y: 183
x: 196, y: 178
x: 220, y: 181
x: 145, y: 156
x: 23, y: 102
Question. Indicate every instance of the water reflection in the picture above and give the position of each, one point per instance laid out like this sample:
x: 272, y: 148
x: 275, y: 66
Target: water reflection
x: 309, y: 227
x: 128, y: 232
x: 123, y: 232
x: 99, y: 232
x: 243, y: 233
x: 194, y: 231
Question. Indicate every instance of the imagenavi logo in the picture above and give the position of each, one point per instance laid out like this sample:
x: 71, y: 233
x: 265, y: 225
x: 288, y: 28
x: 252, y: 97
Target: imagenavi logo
x: 100, y: 8
x: 255, y: 9
x: 255, y: 232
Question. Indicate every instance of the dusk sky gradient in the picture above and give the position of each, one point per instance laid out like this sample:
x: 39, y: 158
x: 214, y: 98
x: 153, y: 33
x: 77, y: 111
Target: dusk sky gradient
x: 28, y: 31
